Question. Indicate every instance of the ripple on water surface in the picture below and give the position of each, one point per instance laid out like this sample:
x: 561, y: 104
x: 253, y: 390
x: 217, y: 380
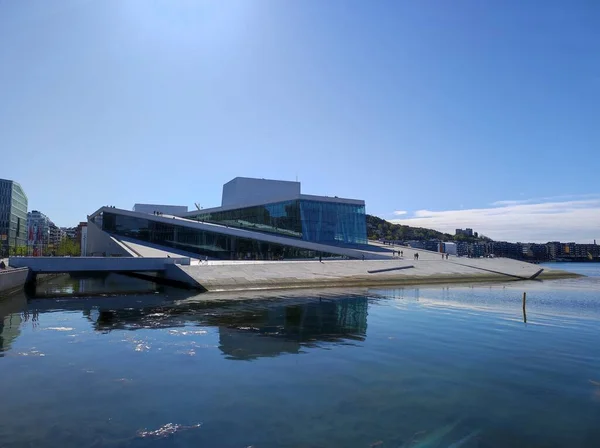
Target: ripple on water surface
x: 414, y: 367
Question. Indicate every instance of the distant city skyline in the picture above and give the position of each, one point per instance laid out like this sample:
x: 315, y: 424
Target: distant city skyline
x: 449, y: 114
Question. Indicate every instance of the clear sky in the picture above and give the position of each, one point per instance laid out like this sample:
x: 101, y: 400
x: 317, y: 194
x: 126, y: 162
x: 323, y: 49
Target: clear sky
x: 451, y: 114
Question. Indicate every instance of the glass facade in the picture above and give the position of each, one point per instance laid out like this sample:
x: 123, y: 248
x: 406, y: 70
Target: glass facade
x: 333, y: 222
x: 13, y: 218
x: 204, y: 243
x: 315, y: 221
x: 282, y: 218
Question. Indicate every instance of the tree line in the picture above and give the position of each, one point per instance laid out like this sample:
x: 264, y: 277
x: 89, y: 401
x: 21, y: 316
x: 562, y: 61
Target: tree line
x: 378, y: 228
x: 66, y: 247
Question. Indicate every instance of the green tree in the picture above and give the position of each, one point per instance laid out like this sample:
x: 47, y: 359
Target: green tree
x: 21, y: 250
x: 380, y: 228
x: 68, y: 247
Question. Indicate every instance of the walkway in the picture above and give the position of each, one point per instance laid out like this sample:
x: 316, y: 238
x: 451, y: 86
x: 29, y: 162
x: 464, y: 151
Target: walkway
x: 307, y: 274
x: 46, y: 265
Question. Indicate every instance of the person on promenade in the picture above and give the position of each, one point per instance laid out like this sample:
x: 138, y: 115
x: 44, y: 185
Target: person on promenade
x: 401, y: 254
x: 2, y: 264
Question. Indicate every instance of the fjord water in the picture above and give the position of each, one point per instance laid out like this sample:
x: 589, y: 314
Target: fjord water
x: 412, y: 367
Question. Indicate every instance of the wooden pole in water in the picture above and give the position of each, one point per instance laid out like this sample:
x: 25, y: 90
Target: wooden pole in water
x: 524, y: 303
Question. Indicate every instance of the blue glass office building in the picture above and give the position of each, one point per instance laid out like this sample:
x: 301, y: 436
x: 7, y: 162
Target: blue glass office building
x: 13, y: 218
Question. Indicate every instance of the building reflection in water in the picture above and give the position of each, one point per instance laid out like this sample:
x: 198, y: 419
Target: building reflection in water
x: 11, y: 319
x: 10, y: 329
x: 89, y: 285
x: 255, y: 328
x: 286, y: 328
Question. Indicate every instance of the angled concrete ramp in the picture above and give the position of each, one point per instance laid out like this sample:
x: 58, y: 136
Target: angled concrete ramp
x: 505, y: 266
x: 145, y: 249
x: 348, y: 273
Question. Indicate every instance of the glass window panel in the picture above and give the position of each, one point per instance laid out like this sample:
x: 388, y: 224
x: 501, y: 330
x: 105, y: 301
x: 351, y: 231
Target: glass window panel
x: 316, y: 221
x: 201, y: 242
x: 333, y: 223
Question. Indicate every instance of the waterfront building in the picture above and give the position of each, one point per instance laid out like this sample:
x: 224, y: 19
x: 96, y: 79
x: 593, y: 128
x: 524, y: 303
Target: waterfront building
x: 535, y: 251
x: 465, y: 232
x: 586, y: 251
x: 554, y: 249
x: 416, y: 244
x: 568, y: 250
x: 56, y: 235
x: 13, y: 218
x: 81, y: 237
x: 449, y: 247
x: 506, y: 249
x: 274, y: 206
x: 433, y: 245
x: 462, y: 248
x: 257, y: 219
x: 478, y: 250
x: 69, y: 232
x: 38, y: 233
x: 43, y: 236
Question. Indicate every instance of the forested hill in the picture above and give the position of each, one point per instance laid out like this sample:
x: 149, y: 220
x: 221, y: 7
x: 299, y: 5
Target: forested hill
x: 380, y: 228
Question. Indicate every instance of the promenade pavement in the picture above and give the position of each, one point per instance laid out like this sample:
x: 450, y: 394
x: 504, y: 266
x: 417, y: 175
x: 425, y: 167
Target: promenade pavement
x: 293, y: 274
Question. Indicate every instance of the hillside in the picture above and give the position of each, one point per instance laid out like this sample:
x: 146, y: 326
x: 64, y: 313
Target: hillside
x: 380, y: 228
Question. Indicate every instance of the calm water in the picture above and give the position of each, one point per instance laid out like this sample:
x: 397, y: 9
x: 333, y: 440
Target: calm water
x: 414, y: 367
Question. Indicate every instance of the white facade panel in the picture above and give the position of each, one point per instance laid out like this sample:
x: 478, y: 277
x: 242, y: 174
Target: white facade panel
x: 243, y: 191
x: 450, y: 248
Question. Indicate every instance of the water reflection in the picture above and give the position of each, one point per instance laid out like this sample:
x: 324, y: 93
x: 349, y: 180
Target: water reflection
x: 284, y: 329
x: 89, y: 285
x: 11, y: 320
x: 250, y: 329
x: 255, y: 325
x: 440, y: 367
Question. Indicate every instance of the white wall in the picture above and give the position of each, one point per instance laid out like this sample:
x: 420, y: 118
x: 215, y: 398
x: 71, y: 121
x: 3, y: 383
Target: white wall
x: 100, y: 243
x: 247, y: 191
x: 450, y: 248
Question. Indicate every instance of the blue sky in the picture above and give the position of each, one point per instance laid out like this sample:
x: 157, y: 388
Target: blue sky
x: 433, y: 108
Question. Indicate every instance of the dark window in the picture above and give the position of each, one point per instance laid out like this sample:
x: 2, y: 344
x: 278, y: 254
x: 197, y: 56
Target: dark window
x: 201, y: 242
